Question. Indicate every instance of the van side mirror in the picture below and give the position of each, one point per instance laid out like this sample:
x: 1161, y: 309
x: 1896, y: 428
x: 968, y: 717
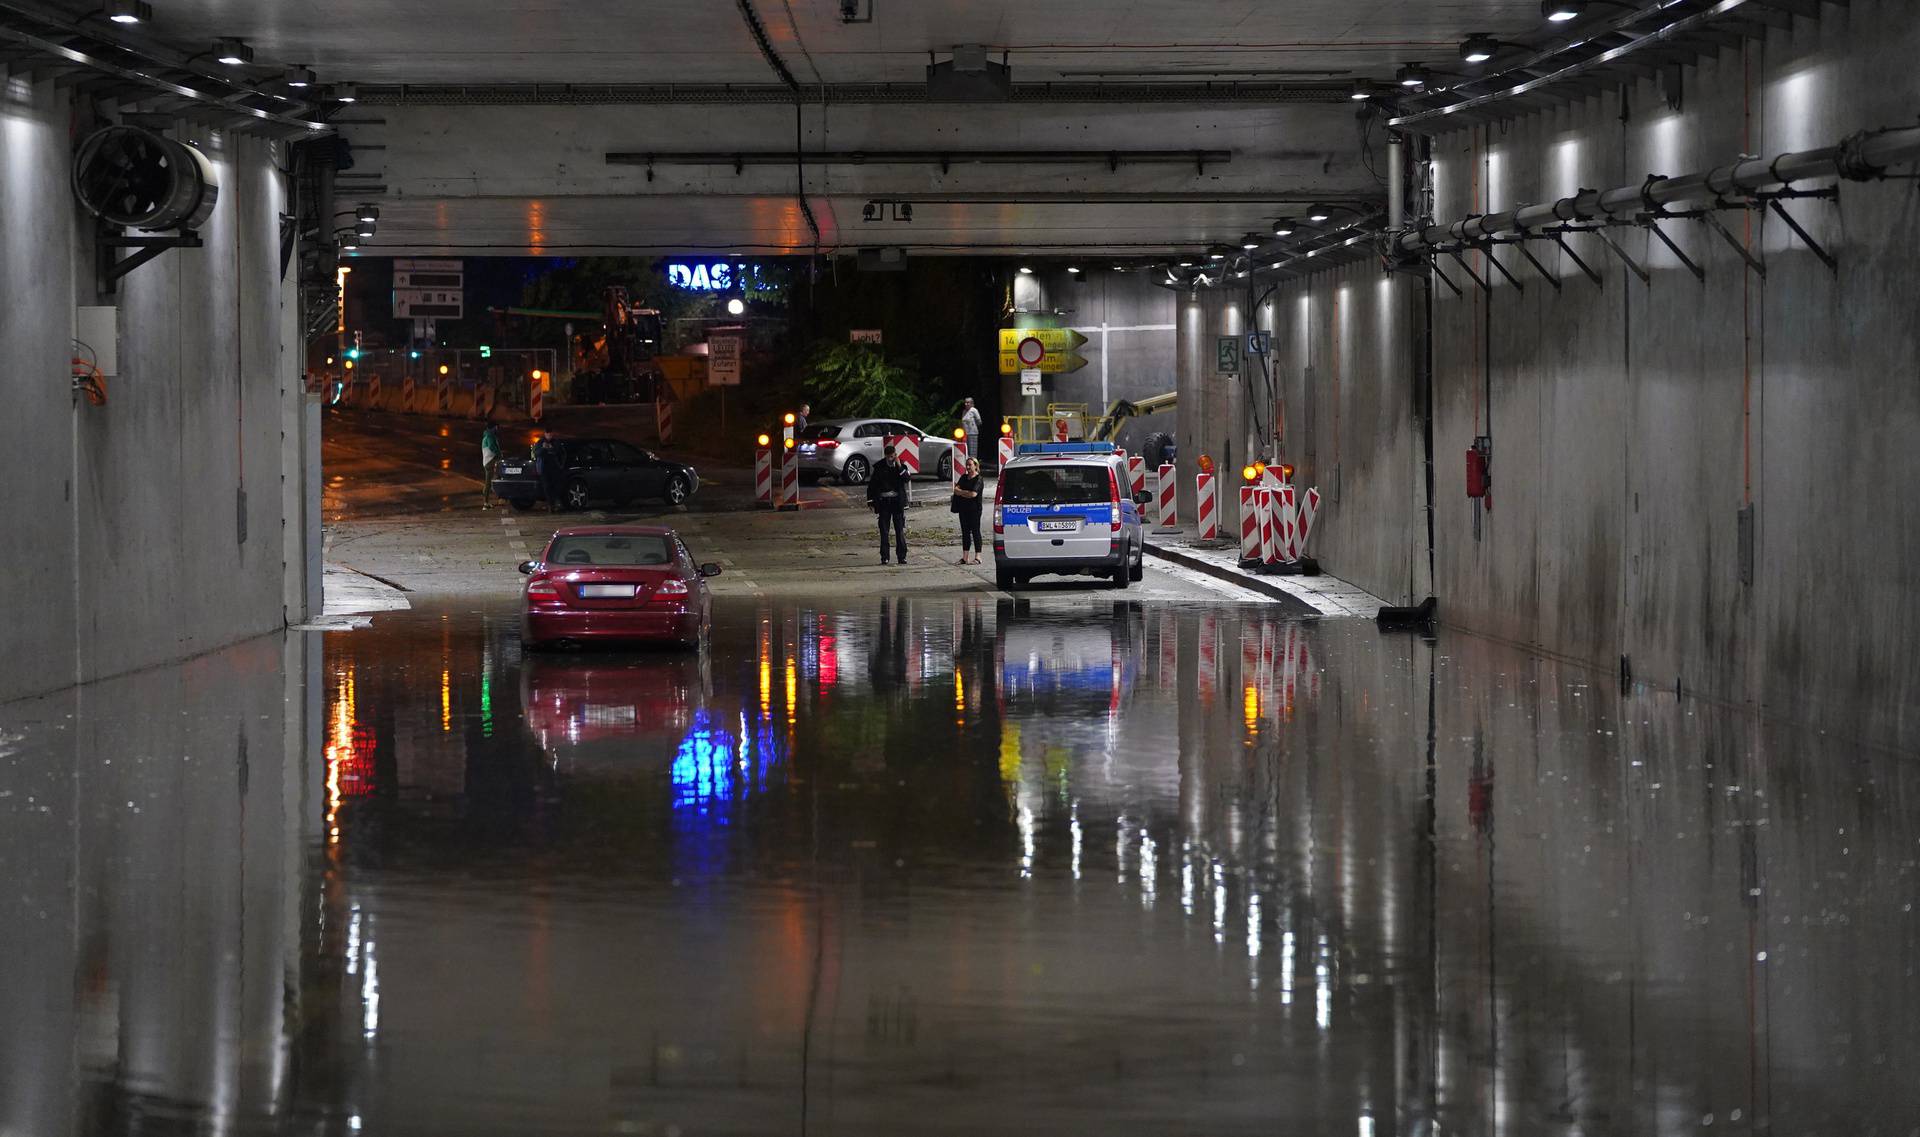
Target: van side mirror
x: 709, y: 569
x: 526, y: 568
x: 1143, y: 498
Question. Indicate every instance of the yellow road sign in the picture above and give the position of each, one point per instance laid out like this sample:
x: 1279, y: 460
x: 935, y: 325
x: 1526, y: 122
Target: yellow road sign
x: 1053, y: 363
x: 1053, y: 339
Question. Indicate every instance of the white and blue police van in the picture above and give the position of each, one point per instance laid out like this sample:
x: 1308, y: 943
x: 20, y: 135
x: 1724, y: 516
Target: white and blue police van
x: 1062, y: 507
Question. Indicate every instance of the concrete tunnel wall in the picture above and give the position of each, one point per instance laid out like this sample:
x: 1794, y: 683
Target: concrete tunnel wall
x: 180, y: 516
x: 1631, y: 422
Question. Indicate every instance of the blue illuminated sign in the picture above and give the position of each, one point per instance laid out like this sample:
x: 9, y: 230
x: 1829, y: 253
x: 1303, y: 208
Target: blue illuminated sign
x: 709, y: 276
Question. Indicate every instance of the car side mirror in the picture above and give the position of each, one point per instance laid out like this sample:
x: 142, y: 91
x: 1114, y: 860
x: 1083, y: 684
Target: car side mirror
x: 526, y: 568
x: 1143, y: 498
x: 710, y: 569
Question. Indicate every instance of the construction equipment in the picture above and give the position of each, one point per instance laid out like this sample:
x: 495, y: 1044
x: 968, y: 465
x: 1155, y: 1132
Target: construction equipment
x: 1124, y: 409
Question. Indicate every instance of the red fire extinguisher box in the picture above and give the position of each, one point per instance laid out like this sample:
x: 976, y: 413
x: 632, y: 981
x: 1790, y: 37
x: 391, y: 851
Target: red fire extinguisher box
x: 1476, y: 471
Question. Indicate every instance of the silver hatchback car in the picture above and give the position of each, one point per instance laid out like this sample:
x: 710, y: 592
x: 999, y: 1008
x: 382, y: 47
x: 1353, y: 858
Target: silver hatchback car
x: 849, y: 448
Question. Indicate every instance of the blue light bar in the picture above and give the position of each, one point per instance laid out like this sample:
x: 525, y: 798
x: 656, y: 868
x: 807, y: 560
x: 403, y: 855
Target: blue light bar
x: 1064, y: 448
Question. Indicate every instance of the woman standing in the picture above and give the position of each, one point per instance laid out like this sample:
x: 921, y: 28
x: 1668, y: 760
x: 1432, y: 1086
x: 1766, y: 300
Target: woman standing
x: 966, y: 503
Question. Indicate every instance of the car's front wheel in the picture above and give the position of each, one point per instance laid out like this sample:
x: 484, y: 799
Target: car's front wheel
x: 577, y: 495
x: 855, y: 472
x: 677, y: 490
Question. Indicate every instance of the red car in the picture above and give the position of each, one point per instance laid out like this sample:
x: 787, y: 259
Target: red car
x: 615, y: 582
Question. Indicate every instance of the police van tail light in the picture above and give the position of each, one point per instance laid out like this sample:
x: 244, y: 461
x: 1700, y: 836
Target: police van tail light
x: 999, y: 514
x: 1113, y: 495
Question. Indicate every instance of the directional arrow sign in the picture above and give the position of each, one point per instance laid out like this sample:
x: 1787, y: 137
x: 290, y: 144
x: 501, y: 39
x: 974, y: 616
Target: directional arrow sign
x: 1053, y: 363
x: 1053, y: 339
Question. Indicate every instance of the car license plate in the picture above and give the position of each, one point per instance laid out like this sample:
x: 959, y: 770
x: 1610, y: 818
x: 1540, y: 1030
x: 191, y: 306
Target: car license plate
x: 510, y: 469
x: 606, y: 591
x: 1059, y: 526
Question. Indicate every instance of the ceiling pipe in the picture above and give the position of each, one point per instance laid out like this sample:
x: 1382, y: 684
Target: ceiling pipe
x: 1860, y: 157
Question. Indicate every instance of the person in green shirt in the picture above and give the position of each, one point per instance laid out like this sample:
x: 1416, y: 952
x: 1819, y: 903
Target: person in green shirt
x: 489, y: 463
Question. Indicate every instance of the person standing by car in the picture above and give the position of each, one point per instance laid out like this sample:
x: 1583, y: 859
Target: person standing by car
x: 800, y: 420
x: 546, y: 463
x: 489, y: 463
x: 970, y: 422
x: 966, y: 503
x: 887, y: 494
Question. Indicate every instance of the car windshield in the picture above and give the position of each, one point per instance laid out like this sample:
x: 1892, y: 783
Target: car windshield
x: 609, y: 549
x: 1056, y: 485
x: 822, y: 430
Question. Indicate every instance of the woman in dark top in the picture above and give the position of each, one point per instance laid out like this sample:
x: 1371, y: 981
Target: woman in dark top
x: 966, y: 503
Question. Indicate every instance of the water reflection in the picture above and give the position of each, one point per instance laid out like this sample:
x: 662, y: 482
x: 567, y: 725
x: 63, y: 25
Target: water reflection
x: 942, y: 865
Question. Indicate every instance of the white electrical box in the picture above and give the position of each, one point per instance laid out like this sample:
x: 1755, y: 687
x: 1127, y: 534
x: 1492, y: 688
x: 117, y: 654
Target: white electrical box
x: 98, y: 330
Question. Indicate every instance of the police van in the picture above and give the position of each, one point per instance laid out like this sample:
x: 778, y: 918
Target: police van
x: 1060, y: 507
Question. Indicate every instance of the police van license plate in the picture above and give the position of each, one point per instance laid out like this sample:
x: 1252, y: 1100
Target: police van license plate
x: 1058, y: 526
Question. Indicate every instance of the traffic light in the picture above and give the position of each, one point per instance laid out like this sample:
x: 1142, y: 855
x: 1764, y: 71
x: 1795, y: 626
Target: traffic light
x: 353, y: 353
x: 413, y: 355
x: 486, y: 352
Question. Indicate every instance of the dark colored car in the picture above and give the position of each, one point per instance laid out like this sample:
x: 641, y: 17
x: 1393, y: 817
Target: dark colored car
x: 615, y: 582
x: 598, y: 470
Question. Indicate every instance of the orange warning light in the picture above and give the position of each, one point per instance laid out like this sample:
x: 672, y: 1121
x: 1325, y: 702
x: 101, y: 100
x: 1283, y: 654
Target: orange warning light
x: 763, y: 440
x: 1006, y: 428
x: 959, y: 435
x: 349, y: 365
x: 536, y: 373
x: 1286, y: 472
x: 788, y: 418
x: 443, y: 369
x: 789, y: 443
x: 1248, y: 473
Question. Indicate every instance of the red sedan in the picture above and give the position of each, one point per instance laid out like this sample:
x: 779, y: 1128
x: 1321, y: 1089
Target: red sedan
x: 615, y: 582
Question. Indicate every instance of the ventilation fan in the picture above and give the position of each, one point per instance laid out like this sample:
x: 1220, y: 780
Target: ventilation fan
x: 132, y: 177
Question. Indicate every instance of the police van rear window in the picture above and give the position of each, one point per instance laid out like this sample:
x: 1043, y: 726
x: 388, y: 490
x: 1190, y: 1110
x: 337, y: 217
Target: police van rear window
x: 1052, y: 484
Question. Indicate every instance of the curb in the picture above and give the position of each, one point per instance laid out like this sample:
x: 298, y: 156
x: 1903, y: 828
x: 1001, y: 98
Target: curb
x: 1231, y: 576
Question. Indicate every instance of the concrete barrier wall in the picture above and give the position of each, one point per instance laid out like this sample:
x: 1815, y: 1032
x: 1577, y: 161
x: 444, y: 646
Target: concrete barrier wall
x: 151, y: 528
x: 1632, y: 422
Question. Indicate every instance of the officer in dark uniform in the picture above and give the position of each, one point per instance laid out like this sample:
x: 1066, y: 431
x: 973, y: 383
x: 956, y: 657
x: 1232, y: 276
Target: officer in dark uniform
x: 887, y: 494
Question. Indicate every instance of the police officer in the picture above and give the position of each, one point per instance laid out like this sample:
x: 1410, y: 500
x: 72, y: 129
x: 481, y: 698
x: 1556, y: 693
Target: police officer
x: 887, y: 494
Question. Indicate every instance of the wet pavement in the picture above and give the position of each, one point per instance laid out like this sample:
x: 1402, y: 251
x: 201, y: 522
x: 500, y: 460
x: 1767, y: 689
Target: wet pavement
x: 943, y: 864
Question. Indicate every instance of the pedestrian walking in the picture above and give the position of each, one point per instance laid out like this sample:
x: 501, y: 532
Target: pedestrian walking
x: 547, y: 464
x: 887, y: 494
x: 966, y: 503
x: 489, y: 463
x: 970, y: 422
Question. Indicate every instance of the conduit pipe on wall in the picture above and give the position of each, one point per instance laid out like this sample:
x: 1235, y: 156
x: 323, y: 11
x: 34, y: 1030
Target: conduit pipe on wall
x: 1860, y: 157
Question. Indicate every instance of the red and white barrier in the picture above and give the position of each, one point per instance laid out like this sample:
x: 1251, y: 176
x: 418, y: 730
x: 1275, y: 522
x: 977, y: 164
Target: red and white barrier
x: 959, y: 463
x: 373, y: 391
x: 1309, y: 509
x: 1006, y: 450
x: 906, y: 448
x: 1136, y: 474
x: 1165, y: 488
x: 1060, y: 426
x: 763, y: 475
x: 1249, y: 524
x: 1263, y: 512
x: 536, y: 401
x: 406, y: 393
x: 446, y: 397
x: 790, y: 480
x: 1286, y: 532
x: 663, y: 420
x: 1206, y: 509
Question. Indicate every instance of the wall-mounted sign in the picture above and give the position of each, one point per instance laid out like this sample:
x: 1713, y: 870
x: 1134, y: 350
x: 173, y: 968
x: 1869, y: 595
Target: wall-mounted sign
x: 1227, y: 355
x: 711, y: 276
x: 1259, y: 343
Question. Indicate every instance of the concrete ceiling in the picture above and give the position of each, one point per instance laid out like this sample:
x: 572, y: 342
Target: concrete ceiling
x: 706, y: 41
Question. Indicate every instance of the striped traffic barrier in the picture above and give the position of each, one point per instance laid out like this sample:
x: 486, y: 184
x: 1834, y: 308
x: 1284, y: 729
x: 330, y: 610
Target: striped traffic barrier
x: 406, y: 393
x: 536, y: 401
x: 906, y: 447
x: 446, y: 397
x: 663, y: 420
x: 790, y: 479
x: 959, y: 463
x: 1006, y: 450
x: 1309, y: 509
x: 1206, y: 511
x: 1166, y: 486
x: 763, y: 473
x: 1263, y: 514
x: 1136, y: 475
x: 1249, y: 524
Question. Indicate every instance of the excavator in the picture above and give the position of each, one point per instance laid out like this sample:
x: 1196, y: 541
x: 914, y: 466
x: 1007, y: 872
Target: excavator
x: 1157, y: 447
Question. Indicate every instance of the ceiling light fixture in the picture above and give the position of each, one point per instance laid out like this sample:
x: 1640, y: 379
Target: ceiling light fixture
x: 1361, y: 90
x: 1219, y: 252
x: 1283, y: 227
x: 343, y: 93
x: 1478, y: 48
x: 1025, y: 271
x: 1411, y: 76
x: 129, y: 11
x: 1317, y: 214
x: 298, y: 77
x: 1186, y: 264
x: 1250, y: 242
x: 232, y: 52
x: 367, y: 212
x: 1073, y: 268
x: 1560, y: 11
